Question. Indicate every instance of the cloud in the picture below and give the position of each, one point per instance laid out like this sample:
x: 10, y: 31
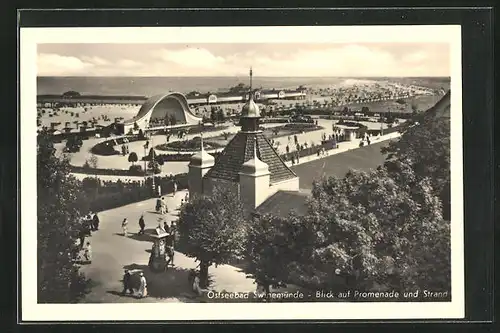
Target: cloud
x: 127, y: 63
x: 190, y: 57
x: 54, y: 64
x: 417, y: 57
x: 98, y: 61
x: 270, y: 60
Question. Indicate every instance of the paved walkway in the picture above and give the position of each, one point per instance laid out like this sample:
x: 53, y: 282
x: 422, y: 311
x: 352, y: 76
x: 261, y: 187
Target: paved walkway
x: 182, y: 167
x: 112, y: 253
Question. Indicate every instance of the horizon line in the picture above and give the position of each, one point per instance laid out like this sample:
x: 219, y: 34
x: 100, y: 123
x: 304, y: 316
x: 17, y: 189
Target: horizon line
x: 243, y: 75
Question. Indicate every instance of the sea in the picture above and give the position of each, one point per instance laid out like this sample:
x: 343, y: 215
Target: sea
x: 148, y: 86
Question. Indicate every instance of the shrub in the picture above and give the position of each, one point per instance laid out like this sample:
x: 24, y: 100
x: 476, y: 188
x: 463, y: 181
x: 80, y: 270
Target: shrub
x: 135, y: 170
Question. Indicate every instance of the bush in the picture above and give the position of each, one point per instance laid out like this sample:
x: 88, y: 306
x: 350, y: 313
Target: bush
x: 136, y: 170
x: 105, y: 148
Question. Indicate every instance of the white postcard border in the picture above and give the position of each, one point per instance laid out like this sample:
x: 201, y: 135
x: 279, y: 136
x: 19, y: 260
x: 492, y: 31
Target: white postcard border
x: 31, y: 311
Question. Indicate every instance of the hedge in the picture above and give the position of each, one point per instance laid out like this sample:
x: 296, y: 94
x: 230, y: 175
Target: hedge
x: 109, y: 195
x: 176, y: 157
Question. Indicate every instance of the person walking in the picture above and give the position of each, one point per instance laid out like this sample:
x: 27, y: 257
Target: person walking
x: 124, y: 227
x: 158, y: 204
x: 170, y: 255
x: 88, y: 253
x: 143, y: 288
x: 164, y: 208
x: 81, y: 236
x: 95, y: 222
x: 186, y: 197
x: 175, y: 187
x: 126, y: 283
x: 166, y: 227
x: 142, y: 225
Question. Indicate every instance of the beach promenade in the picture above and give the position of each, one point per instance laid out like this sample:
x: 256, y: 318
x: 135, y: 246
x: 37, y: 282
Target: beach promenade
x: 173, y: 168
x: 112, y: 253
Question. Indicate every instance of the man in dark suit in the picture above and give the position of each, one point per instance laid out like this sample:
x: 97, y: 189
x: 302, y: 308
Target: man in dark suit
x: 126, y: 283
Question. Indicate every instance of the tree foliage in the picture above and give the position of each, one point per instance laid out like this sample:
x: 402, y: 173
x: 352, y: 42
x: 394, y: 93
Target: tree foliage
x: 373, y: 228
x: 212, y: 229
x: 274, y: 245
x: 425, y: 145
x: 383, y: 228
x: 132, y: 157
x: 60, y: 205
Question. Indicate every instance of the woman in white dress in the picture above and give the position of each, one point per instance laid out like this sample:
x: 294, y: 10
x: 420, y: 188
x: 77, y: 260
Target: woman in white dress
x: 143, y: 288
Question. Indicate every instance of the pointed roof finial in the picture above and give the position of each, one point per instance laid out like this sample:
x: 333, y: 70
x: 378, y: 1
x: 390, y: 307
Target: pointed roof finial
x: 250, y: 94
x: 251, y: 74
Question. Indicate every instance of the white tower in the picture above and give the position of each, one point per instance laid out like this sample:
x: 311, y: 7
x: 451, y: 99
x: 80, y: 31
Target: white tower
x: 199, y: 165
x: 254, y: 181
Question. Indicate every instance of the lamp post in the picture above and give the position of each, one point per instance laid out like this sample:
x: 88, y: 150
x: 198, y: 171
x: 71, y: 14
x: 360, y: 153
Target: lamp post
x: 145, y: 165
x: 153, y: 159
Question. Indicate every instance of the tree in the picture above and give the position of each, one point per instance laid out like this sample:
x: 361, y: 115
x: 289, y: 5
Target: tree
x: 172, y: 119
x: 212, y: 230
x: 221, y: 117
x: 152, y: 154
x: 272, y: 246
x: 425, y: 144
x: 93, y: 161
x: 60, y: 205
x: 213, y: 115
x: 378, y: 229
x: 132, y: 158
x: 136, y: 127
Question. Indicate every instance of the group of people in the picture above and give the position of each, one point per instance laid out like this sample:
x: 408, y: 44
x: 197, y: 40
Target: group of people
x: 125, y: 149
x: 83, y: 252
x: 140, y: 290
x: 128, y: 286
x: 161, y: 206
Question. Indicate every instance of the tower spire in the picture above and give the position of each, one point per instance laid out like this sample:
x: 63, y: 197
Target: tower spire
x: 251, y: 74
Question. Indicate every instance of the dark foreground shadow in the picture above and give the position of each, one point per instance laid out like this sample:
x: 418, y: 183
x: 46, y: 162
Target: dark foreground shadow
x: 119, y: 293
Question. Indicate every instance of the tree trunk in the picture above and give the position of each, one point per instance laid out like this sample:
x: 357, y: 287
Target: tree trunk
x: 267, y: 289
x: 204, y: 274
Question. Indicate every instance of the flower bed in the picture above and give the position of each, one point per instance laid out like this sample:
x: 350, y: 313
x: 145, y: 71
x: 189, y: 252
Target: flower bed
x: 106, y: 148
x: 189, y: 145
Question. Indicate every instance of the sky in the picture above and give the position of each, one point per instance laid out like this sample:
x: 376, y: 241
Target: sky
x: 280, y: 60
